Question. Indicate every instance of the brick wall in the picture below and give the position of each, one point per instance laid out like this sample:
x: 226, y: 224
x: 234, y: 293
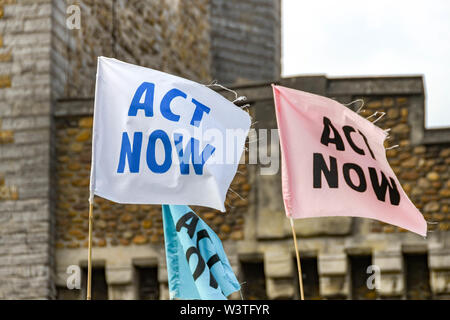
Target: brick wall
x: 26, y: 264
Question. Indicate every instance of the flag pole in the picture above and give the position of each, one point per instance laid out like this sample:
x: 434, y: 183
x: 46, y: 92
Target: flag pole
x: 89, y: 277
x: 299, y: 266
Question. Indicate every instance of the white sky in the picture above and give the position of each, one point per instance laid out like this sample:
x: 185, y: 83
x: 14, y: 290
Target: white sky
x: 355, y: 37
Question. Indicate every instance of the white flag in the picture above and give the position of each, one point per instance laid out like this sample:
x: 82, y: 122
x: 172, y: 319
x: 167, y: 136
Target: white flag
x: 162, y: 139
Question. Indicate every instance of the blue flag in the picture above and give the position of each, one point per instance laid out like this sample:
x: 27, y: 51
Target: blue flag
x: 196, y: 262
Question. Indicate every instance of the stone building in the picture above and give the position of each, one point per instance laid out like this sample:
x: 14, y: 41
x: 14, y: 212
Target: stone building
x: 47, y: 78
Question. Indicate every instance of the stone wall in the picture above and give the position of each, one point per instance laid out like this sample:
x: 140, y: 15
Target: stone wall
x: 26, y: 245
x: 245, y: 40
x: 231, y: 41
x: 255, y: 231
x: 47, y: 76
x: 117, y: 224
x: 170, y: 36
x: 421, y: 163
x: 423, y: 169
x: 41, y: 60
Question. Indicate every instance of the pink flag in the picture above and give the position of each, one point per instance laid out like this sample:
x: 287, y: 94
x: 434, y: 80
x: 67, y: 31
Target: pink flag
x: 334, y: 163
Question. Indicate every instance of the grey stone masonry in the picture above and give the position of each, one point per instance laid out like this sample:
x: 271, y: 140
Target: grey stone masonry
x: 245, y: 40
x: 26, y: 245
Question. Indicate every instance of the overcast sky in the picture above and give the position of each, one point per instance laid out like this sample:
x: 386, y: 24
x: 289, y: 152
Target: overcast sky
x: 355, y: 37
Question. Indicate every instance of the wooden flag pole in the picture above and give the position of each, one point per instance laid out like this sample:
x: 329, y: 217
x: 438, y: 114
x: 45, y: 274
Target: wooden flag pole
x: 299, y: 266
x: 89, y: 277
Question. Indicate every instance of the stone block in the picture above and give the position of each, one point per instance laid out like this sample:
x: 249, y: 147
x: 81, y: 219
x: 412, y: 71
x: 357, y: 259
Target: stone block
x: 41, y: 24
x: 439, y: 260
x: 162, y: 273
x: 270, y: 224
x: 332, y: 264
x: 5, y: 56
x: 440, y: 282
x: 5, y: 81
x: 32, y: 136
x: 388, y: 261
x: 121, y: 292
x: 28, y: 9
x: 26, y: 123
x: 278, y: 263
x: 119, y: 276
x: 247, y: 251
x: 164, y: 293
x: 311, y: 227
x: 391, y: 284
x: 280, y: 288
x: 334, y: 286
x: 6, y: 136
